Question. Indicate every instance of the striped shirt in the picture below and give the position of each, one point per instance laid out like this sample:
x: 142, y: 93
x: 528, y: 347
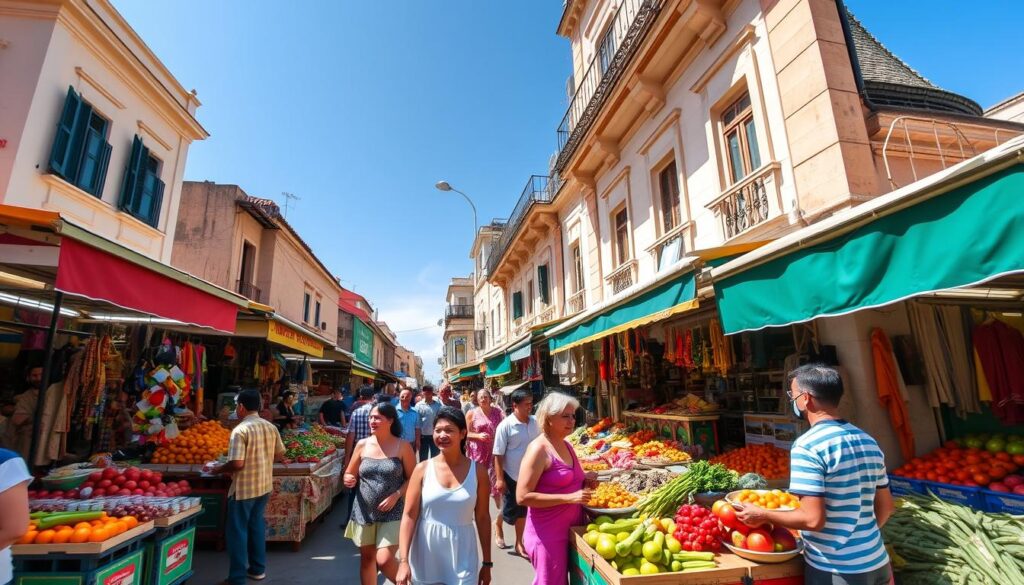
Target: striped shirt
x: 843, y: 464
x: 254, y: 441
x: 359, y: 422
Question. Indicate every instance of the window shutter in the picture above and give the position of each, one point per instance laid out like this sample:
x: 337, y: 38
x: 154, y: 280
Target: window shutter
x: 153, y: 215
x: 517, y: 305
x: 132, y: 185
x: 542, y: 283
x: 92, y: 168
x: 61, y: 154
x: 101, y: 171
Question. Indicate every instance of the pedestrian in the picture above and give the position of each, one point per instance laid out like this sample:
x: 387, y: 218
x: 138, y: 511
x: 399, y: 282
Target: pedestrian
x: 358, y: 429
x: 447, y: 495
x: 252, y: 449
x: 428, y: 409
x: 468, y: 401
x: 839, y: 473
x: 379, y: 472
x: 511, y: 439
x: 332, y: 411
x: 14, y: 480
x: 286, y: 418
x: 410, y: 419
x: 448, y: 397
x: 552, y: 487
x: 482, y: 423
x: 350, y: 399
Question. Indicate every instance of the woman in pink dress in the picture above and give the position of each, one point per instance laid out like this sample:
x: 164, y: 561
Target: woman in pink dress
x: 553, y: 487
x: 482, y: 421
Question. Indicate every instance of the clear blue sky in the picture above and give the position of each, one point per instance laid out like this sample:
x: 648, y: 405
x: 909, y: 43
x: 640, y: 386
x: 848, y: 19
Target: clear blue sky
x: 360, y: 107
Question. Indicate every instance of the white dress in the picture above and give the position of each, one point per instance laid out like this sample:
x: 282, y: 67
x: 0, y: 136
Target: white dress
x: 445, y: 548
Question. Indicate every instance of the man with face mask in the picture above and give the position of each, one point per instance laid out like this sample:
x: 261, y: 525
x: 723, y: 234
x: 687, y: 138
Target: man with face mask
x: 22, y: 423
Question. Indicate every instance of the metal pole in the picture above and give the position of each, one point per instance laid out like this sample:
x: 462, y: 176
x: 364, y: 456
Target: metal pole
x: 50, y: 333
x: 470, y: 201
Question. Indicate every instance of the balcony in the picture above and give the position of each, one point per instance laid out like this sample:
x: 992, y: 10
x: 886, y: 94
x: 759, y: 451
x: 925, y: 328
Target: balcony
x: 539, y: 190
x: 629, y: 26
x: 479, y: 339
x: 623, y: 277
x: 249, y: 291
x: 748, y: 203
x: 548, y: 314
x: 669, y: 248
x: 521, y: 325
x: 458, y: 312
x: 576, y: 303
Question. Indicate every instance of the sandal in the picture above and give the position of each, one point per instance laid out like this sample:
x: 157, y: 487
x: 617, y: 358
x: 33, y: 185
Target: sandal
x: 499, y: 539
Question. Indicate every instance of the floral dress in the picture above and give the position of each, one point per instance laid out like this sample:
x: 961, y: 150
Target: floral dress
x: 483, y: 451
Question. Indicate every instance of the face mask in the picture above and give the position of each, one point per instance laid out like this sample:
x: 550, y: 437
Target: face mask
x: 799, y: 413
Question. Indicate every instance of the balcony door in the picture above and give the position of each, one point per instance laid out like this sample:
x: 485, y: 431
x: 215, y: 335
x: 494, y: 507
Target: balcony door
x: 246, y: 273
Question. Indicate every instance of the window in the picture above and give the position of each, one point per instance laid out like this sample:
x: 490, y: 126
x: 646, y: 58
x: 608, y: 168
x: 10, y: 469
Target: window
x: 498, y: 333
x: 517, y: 305
x: 621, y: 224
x: 542, y: 283
x: 306, y: 298
x: 246, y: 271
x: 316, y: 314
x: 740, y: 138
x: 142, y: 192
x: 81, y: 153
x: 577, y: 268
x: 668, y: 183
x: 494, y: 328
x: 530, y: 297
x: 606, y: 51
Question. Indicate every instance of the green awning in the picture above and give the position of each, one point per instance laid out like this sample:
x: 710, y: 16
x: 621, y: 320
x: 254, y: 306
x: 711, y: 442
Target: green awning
x: 969, y: 235
x: 467, y: 372
x: 499, y: 365
x: 520, y: 353
x: 673, y: 297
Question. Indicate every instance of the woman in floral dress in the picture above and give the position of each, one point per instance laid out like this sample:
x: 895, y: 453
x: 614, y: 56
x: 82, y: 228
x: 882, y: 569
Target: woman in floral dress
x: 482, y: 421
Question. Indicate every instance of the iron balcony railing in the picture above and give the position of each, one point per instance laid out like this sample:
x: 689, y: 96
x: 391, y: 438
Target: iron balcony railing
x: 249, y: 291
x: 631, y: 22
x: 540, y: 189
x: 459, y: 312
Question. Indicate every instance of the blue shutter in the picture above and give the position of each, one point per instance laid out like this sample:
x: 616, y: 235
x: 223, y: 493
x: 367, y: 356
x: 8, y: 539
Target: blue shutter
x: 156, y: 201
x: 70, y: 123
x: 542, y: 283
x: 517, y: 305
x: 131, y: 186
x: 93, y: 166
x: 101, y: 171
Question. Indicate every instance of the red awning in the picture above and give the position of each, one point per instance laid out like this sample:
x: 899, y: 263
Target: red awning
x: 89, y: 272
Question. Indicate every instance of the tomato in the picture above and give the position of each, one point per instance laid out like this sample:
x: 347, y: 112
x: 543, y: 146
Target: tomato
x: 760, y: 541
x: 727, y: 515
x: 982, y: 479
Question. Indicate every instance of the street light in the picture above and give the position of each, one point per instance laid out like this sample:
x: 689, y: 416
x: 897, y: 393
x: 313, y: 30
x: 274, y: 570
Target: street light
x: 444, y: 186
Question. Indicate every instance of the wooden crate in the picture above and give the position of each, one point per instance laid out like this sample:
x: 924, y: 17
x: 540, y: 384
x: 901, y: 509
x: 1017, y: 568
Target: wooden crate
x: 82, y: 548
x: 788, y: 573
x: 172, y: 520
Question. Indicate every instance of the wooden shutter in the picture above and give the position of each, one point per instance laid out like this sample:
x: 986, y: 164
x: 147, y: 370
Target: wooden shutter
x: 101, y: 171
x: 63, y: 155
x: 153, y: 214
x: 517, y: 305
x: 542, y: 284
x: 131, y: 188
x: 92, y: 168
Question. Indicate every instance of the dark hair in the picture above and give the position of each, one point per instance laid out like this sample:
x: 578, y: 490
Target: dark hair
x: 454, y: 416
x: 287, y: 394
x: 521, y: 394
x: 820, y: 381
x: 249, y: 399
x: 388, y: 411
x: 366, y: 392
x: 428, y: 388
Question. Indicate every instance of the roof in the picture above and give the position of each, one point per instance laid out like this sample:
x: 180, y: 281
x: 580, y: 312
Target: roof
x: 347, y: 302
x: 888, y: 81
x: 268, y: 214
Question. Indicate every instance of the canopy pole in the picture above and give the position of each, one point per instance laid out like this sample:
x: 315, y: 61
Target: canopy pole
x: 51, y: 332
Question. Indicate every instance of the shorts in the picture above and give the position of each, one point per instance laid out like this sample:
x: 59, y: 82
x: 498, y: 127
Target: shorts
x: 380, y: 534
x: 511, y: 511
x: 813, y: 576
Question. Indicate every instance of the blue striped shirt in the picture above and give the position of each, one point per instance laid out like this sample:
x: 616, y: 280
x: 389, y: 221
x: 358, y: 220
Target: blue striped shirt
x: 843, y: 464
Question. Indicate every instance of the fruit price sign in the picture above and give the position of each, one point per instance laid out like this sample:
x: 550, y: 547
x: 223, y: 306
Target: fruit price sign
x: 127, y: 571
x: 175, y: 556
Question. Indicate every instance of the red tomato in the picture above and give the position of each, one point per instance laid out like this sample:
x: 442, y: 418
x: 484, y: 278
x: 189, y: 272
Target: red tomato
x: 760, y: 541
x: 982, y: 479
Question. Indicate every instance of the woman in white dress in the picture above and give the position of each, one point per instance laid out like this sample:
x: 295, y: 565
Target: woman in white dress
x: 447, y: 495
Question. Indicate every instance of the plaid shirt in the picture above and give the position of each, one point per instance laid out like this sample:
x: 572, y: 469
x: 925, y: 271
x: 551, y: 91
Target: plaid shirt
x: 359, y: 423
x: 256, y: 442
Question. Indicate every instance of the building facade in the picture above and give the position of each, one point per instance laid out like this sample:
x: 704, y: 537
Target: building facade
x: 458, y: 324
x: 94, y: 126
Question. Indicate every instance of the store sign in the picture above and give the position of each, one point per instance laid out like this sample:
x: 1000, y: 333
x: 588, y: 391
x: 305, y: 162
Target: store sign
x: 284, y: 335
x: 362, y: 342
x: 127, y: 571
x: 177, y: 557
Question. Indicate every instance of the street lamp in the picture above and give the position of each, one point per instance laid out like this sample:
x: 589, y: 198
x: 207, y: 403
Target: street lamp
x: 444, y: 186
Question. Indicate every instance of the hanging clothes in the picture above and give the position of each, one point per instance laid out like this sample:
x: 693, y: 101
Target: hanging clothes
x: 1001, y: 351
x: 942, y: 339
x: 889, y: 383
x: 984, y: 392
x: 721, y: 349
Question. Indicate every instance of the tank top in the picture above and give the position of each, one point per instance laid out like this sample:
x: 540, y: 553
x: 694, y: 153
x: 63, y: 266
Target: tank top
x: 551, y: 524
x: 378, y: 479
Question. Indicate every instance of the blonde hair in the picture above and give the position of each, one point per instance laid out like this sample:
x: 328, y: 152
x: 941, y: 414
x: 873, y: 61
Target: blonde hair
x: 484, y: 392
x: 552, y: 405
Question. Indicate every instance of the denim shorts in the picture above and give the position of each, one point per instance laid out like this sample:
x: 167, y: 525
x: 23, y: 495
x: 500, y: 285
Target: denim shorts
x: 511, y: 511
x: 882, y: 576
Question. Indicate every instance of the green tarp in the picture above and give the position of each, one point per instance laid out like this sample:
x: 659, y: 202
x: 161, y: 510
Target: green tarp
x: 676, y: 296
x: 969, y: 235
x: 499, y: 365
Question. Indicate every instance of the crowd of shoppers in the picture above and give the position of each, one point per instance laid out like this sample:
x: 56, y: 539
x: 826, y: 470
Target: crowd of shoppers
x: 482, y: 423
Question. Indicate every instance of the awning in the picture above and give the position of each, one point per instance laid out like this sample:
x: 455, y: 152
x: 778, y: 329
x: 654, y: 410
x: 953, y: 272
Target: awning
x: 465, y: 373
x: 43, y: 246
x: 520, y: 353
x: 958, y: 228
x: 506, y: 390
x: 655, y: 304
x: 283, y: 332
x: 498, y: 365
x: 361, y: 369
x: 386, y: 376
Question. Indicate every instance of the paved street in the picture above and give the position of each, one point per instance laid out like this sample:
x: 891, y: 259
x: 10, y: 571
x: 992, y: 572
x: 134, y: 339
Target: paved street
x: 327, y: 557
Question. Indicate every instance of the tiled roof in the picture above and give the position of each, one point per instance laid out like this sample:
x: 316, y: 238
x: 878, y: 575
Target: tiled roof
x: 888, y: 81
x: 266, y: 211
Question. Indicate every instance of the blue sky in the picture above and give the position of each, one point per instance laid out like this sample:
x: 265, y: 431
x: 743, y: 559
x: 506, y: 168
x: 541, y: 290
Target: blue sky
x: 360, y: 107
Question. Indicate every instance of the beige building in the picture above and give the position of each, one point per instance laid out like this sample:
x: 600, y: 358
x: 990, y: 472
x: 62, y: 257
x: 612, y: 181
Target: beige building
x: 94, y: 125
x: 1011, y: 109
x: 458, y: 325
x: 244, y: 244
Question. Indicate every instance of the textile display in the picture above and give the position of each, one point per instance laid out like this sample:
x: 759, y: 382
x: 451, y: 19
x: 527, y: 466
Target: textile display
x: 298, y: 500
x: 891, y: 391
x: 942, y: 337
x: 1001, y: 352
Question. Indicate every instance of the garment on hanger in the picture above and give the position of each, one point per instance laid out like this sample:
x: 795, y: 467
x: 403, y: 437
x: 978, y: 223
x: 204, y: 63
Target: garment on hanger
x: 889, y: 384
x: 945, y: 350
x: 1001, y: 351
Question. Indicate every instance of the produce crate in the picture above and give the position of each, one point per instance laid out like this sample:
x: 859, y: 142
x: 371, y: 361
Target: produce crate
x: 903, y: 486
x: 788, y: 573
x: 1002, y: 502
x: 115, y: 561
x: 211, y: 521
x: 958, y: 494
x: 169, y: 551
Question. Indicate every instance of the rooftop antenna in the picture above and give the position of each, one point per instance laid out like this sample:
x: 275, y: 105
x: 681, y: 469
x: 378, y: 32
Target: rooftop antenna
x: 288, y: 198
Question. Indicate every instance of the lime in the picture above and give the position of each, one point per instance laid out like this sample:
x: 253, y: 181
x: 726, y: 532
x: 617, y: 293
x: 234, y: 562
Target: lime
x: 649, y: 569
x: 591, y: 538
x: 605, y: 547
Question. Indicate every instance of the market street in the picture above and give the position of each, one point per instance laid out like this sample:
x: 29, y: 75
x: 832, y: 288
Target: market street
x: 328, y: 558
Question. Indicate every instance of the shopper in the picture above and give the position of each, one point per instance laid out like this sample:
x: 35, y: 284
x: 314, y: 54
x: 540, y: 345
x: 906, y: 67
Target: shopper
x: 839, y: 473
x: 379, y: 473
x: 468, y: 401
x: 428, y: 409
x: 511, y: 439
x: 332, y: 411
x: 482, y: 423
x: 14, y: 480
x: 286, y: 418
x: 447, y: 495
x: 252, y: 449
x: 21, y: 425
x: 448, y: 396
x: 551, y: 486
x: 410, y: 419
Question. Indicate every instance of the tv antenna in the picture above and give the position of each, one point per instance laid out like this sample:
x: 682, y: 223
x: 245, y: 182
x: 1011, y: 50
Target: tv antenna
x: 288, y: 198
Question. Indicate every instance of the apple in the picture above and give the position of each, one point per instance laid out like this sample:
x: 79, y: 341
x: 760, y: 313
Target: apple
x: 86, y: 484
x: 57, y: 494
x: 161, y: 485
x: 783, y: 538
x: 1013, y: 481
x: 71, y: 494
x: 144, y: 484
x: 119, y: 480
x: 998, y: 486
x: 157, y: 477
x: 133, y: 474
x: 124, y: 492
x: 104, y: 484
x: 760, y: 541
x: 183, y: 483
x: 738, y: 539
x: 130, y: 484
x: 137, y: 492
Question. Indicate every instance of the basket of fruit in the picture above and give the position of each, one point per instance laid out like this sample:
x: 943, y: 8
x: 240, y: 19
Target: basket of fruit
x: 767, y: 499
x: 611, y: 499
x: 761, y: 546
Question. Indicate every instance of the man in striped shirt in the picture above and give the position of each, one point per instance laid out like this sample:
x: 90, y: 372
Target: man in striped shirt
x: 839, y: 473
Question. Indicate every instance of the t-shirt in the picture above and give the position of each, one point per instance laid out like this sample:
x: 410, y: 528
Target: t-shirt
x: 410, y: 420
x: 332, y: 410
x: 843, y: 464
x: 12, y: 472
x: 349, y: 402
x: 511, y: 439
x: 428, y: 412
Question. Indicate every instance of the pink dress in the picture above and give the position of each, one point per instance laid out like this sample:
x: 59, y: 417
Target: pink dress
x: 482, y: 451
x: 547, y: 529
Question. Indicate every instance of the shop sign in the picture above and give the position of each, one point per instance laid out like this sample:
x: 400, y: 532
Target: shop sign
x: 362, y: 342
x: 176, y: 555
x: 127, y: 571
x: 284, y: 335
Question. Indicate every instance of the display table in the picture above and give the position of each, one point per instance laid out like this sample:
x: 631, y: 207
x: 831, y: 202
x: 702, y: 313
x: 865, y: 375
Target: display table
x: 115, y: 560
x: 689, y: 429
x: 298, y: 500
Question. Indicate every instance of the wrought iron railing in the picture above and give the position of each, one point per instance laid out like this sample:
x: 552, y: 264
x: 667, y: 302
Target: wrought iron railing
x: 540, y: 189
x: 622, y: 277
x: 629, y: 26
x: 669, y: 248
x: 747, y: 203
x: 548, y: 314
x: 459, y: 312
x: 249, y: 291
x: 576, y: 303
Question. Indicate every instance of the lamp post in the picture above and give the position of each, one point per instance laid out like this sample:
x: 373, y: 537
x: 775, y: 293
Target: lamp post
x: 444, y: 186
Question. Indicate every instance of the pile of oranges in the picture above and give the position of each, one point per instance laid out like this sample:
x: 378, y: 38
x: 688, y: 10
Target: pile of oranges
x: 198, y: 444
x: 769, y: 499
x: 766, y: 460
x: 611, y: 495
x: 96, y: 531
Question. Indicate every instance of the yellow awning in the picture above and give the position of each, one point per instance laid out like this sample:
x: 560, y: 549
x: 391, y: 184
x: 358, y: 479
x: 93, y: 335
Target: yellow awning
x: 282, y: 334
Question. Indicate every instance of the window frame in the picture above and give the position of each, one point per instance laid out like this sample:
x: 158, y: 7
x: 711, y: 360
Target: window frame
x: 620, y: 237
x: 738, y: 118
x: 604, y: 58
x: 670, y: 204
x: 80, y: 127
x: 317, y: 305
x: 531, y: 296
x: 307, y: 299
x: 576, y: 251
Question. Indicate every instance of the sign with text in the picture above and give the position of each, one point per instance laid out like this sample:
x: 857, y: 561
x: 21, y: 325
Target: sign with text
x: 127, y: 571
x: 175, y: 557
x: 282, y: 334
x: 362, y: 342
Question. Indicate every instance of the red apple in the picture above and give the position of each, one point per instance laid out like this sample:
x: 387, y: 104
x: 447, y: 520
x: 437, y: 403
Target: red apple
x: 144, y: 484
x: 784, y: 539
x: 95, y: 477
x: 760, y: 541
x: 130, y: 484
x: 104, y: 484
x: 997, y: 486
x: 137, y: 492
x: 738, y: 539
x: 124, y: 492
x: 119, y: 480
x: 110, y: 473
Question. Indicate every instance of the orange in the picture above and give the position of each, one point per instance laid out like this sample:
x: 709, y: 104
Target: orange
x: 81, y: 525
x: 81, y: 534
x: 130, y: 522
x: 63, y: 535
x: 99, y: 535
x: 45, y: 537
x: 28, y: 538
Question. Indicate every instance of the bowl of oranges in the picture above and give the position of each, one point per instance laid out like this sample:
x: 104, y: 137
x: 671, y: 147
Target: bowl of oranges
x: 611, y: 499
x: 767, y: 499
